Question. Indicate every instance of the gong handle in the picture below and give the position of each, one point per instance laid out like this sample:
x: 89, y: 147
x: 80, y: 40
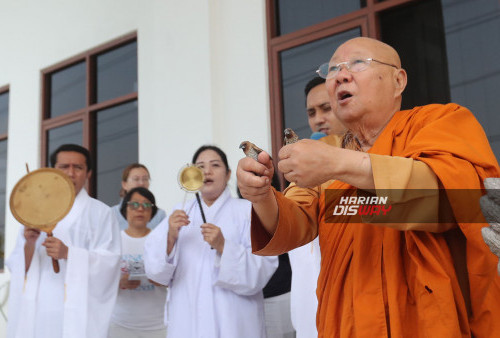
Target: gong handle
x: 201, y: 208
x: 55, y: 262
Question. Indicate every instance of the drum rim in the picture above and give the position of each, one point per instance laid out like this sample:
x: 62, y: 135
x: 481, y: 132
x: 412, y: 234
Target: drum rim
x: 54, y: 220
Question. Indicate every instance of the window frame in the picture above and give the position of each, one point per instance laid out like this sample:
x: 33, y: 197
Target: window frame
x: 3, y: 90
x: 365, y: 18
x: 86, y: 115
x: 4, y: 137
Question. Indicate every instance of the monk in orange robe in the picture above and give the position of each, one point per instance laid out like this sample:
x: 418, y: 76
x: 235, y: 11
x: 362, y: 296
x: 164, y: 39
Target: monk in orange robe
x: 385, y: 279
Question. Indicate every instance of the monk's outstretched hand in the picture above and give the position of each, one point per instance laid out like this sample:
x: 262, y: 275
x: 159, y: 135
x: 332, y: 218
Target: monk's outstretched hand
x: 254, y: 177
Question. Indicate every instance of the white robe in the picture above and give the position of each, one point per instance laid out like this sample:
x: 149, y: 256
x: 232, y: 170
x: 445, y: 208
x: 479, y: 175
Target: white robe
x: 78, y: 301
x: 305, y: 262
x: 211, y: 295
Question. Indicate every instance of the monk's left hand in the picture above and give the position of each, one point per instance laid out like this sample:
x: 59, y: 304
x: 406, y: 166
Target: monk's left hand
x: 55, y: 248
x: 307, y: 162
x: 213, y: 236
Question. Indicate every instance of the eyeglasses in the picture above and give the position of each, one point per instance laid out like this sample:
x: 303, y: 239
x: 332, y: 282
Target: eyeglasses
x: 354, y: 66
x: 137, y: 205
x: 137, y: 179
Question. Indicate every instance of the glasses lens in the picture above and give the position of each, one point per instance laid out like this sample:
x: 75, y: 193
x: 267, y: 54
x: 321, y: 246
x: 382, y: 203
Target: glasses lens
x: 140, y: 179
x: 137, y: 205
x: 323, y: 70
x: 133, y: 205
x: 358, y: 65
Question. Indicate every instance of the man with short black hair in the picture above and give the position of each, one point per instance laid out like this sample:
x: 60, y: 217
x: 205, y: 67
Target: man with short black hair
x: 320, y: 114
x: 77, y: 301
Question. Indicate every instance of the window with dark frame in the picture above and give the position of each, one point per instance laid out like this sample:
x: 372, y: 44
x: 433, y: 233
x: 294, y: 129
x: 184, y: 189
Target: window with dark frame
x: 91, y: 100
x: 4, y: 122
x: 303, y: 35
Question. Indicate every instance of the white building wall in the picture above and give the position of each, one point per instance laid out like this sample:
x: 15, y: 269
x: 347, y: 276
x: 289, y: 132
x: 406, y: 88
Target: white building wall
x: 202, y: 78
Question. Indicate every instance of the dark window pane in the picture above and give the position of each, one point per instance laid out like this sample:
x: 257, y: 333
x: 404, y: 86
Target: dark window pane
x: 70, y: 133
x: 4, y: 113
x: 67, y: 90
x: 419, y: 40
x: 292, y: 15
x: 298, y: 66
x: 3, y: 179
x: 473, y: 47
x: 117, y: 72
x: 117, y: 147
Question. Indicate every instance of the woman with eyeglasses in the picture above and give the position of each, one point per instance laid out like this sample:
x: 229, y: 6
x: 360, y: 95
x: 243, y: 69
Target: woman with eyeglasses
x: 135, y: 175
x: 140, y: 303
x: 215, y: 282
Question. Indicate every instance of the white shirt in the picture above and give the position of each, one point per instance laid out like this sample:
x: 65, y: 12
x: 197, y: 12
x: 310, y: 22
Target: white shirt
x: 305, y: 262
x: 78, y: 301
x: 141, y: 308
x: 211, y: 295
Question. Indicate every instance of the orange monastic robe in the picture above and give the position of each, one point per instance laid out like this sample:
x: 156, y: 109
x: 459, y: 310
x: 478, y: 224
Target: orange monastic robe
x: 377, y: 281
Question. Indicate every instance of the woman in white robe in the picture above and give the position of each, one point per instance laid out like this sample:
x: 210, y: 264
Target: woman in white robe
x: 215, y: 282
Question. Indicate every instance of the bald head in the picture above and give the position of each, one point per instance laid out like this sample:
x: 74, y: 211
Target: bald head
x: 365, y: 98
x: 377, y: 49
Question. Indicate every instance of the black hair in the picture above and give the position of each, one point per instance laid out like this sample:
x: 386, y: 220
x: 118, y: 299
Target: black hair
x: 72, y: 147
x: 214, y: 148
x: 313, y: 83
x: 144, y: 193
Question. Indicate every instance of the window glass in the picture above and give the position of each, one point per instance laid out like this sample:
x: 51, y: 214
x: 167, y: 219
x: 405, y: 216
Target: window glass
x: 3, y: 181
x: 419, y: 40
x: 473, y: 46
x: 292, y: 15
x: 69, y: 133
x: 298, y: 66
x: 67, y: 90
x: 116, y: 148
x: 4, y: 112
x: 117, y: 72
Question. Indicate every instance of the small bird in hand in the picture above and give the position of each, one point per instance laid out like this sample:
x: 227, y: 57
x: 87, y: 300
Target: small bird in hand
x: 250, y: 149
x: 290, y: 136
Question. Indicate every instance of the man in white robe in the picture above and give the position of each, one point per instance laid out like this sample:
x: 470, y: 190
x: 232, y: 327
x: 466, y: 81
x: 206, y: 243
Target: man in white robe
x: 211, y: 295
x: 77, y: 301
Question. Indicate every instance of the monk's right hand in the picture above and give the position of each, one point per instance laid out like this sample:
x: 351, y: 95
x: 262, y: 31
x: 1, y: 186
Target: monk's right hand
x: 31, y: 235
x: 178, y: 219
x: 254, y: 178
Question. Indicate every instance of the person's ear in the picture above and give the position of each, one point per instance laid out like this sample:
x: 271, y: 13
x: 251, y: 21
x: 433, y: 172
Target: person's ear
x: 228, y: 175
x: 400, y: 81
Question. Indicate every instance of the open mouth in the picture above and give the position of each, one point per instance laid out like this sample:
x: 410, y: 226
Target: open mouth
x: 343, y: 95
x: 208, y: 180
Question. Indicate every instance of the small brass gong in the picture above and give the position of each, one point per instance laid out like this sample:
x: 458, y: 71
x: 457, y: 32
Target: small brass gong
x: 190, y: 178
